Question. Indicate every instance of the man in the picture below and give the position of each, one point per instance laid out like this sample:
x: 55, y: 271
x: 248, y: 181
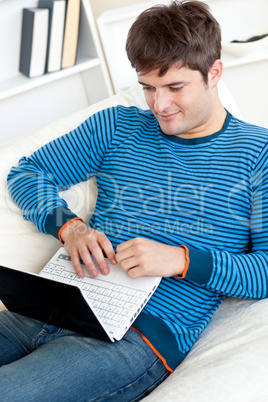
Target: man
x: 181, y: 194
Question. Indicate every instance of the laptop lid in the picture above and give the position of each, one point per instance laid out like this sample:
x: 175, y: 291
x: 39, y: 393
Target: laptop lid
x: 49, y: 301
x: 58, y: 296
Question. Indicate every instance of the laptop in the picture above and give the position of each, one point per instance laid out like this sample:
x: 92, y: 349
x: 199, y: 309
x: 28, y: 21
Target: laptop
x: 102, y: 307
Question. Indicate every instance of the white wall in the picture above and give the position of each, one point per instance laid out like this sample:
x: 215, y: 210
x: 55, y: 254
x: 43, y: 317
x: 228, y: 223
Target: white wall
x: 99, y: 6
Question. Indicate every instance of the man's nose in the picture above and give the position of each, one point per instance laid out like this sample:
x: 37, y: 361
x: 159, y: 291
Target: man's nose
x: 162, y: 101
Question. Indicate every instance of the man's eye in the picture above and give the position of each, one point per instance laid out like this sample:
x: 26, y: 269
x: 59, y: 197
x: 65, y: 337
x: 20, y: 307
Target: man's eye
x: 176, y: 89
x: 147, y: 88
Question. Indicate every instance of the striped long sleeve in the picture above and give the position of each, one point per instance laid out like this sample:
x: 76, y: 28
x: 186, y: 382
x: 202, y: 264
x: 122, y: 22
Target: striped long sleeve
x: 35, y: 184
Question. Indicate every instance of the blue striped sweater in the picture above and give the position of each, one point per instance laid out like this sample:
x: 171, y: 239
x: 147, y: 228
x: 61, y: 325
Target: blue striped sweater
x: 208, y: 193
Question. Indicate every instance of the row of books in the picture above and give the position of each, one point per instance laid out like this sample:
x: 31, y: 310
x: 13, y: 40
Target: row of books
x: 49, y: 37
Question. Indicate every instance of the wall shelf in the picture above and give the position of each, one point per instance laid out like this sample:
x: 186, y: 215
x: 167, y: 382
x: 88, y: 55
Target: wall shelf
x: 232, y: 61
x: 89, y: 77
x: 21, y: 83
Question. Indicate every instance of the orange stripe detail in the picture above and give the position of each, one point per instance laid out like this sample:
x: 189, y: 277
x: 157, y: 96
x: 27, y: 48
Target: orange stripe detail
x: 67, y: 223
x: 154, y: 350
x: 182, y: 276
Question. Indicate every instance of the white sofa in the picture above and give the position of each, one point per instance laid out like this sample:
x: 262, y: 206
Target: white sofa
x: 229, y: 362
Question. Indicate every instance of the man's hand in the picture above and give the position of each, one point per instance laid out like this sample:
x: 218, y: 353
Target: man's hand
x: 143, y: 257
x: 80, y: 240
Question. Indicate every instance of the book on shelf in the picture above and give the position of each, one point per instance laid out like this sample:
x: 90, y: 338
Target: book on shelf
x: 70, y: 41
x: 34, y: 36
x: 55, y: 32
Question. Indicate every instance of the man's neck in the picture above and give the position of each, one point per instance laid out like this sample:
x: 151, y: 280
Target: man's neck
x: 214, y: 124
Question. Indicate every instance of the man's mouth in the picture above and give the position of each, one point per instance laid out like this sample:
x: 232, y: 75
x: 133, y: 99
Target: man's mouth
x: 167, y: 116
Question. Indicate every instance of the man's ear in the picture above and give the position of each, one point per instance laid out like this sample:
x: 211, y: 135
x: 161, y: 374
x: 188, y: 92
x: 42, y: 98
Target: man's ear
x: 215, y: 73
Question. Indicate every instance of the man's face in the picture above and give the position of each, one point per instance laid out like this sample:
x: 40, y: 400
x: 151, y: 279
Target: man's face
x: 180, y: 100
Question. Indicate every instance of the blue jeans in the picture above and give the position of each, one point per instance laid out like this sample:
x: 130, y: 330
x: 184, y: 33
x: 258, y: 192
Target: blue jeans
x: 41, y: 362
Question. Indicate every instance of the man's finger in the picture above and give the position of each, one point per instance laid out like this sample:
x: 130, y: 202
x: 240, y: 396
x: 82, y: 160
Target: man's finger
x: 75, y: 258
x: 87, y: 260
x: 107, y: 248
x: 100, y: 259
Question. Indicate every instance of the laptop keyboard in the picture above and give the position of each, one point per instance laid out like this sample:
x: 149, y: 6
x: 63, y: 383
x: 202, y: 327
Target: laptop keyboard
x: 113, y: 303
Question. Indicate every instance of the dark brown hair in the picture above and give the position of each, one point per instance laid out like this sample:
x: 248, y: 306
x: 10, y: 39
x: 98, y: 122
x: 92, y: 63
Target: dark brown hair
x: 183, y: 33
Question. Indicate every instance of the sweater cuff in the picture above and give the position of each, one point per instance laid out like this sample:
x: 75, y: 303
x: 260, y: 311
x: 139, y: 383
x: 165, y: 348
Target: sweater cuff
x: 182, y: 276
x: 56, y: 219
x: 200, y: 266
